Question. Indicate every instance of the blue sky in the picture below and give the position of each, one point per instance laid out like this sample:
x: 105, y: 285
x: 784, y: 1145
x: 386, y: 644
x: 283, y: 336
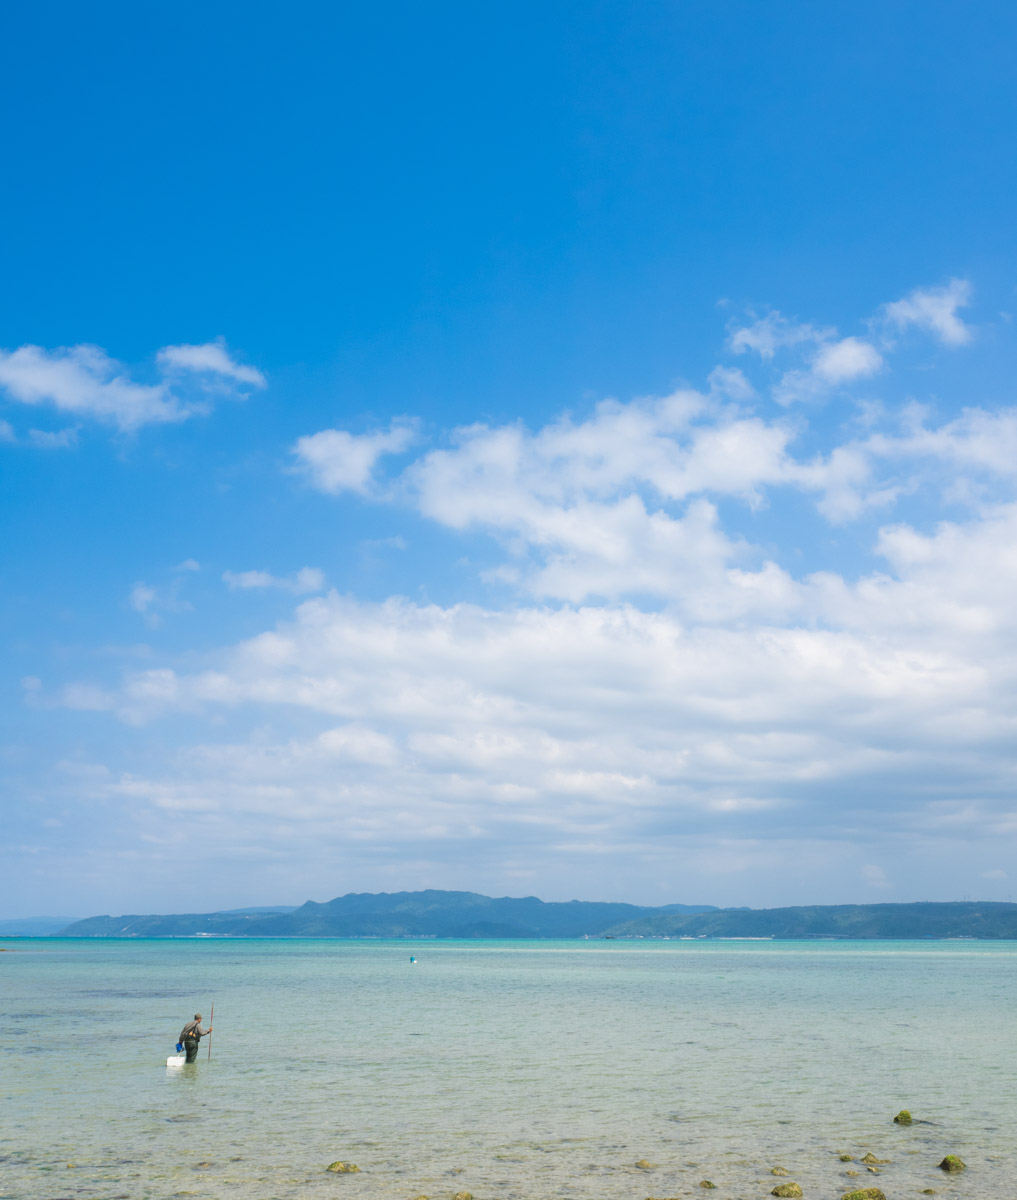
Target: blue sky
x: 563, y: 449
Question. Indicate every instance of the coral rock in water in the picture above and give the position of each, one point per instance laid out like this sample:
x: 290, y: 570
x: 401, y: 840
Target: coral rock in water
x: 846, y: 1158
x: 902, y: 1118
x: 463, y: 1196
x: 343, y: 1168
x: 778, y: 1171
x: 644, y: 1165
x: 864, y: 1194
x: 706, y: 1183
x: 787, y: 1189
x: 872, y: 1159
x: 952, y: 1163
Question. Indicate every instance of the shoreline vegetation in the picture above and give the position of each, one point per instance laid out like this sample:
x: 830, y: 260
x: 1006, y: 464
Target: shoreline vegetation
x: 444, y: 914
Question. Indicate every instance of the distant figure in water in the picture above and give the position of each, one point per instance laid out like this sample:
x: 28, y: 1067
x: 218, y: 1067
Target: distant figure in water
x: 191, y: 1035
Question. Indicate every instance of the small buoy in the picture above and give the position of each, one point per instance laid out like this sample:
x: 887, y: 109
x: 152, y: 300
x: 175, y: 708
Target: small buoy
x: 176, y: 1060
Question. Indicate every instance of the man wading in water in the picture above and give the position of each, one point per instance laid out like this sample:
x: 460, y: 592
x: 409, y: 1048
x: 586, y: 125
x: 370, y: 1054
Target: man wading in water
x: 191, y: 1035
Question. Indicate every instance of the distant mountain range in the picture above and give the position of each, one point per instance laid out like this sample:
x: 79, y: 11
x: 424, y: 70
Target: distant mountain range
x: 395, y: 914
x: 967, y: 919
x: 439, y: 914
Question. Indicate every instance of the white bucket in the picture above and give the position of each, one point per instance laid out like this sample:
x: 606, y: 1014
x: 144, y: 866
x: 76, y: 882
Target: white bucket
x: 176, y: 1060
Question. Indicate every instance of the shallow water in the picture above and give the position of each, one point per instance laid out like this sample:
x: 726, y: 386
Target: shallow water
x: 507, y: 1069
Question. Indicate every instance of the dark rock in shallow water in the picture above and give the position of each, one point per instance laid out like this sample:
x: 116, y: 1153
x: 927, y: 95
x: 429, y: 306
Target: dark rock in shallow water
x: 777, y: 1171
x: 846, y: 1158
x: 645, y: 1165
x: 707, y: 1183
x: 952, y: 1163
x: 343, y: 1168
x: 871, y: 1160
x: 903, y: 1118
x: 788, y: 1190
x: 864, y: 1194
x: 463, y: 1196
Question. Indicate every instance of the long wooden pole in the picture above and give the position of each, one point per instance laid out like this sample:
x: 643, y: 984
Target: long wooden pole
x: 211, y: 1022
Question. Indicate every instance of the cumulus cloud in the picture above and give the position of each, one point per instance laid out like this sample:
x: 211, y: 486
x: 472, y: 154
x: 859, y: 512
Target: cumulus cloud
x: 880, y: 707
x: 211, y: 358
x: 934, y: 310
x: 336, y: 461
x: 849, y: 358
x: 86, y: 382
x: 682, y: 681
x: 307, y: 579
x: 774, y: 332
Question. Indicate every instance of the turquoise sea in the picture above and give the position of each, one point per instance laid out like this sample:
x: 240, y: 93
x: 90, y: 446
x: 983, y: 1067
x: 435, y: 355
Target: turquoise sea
x: 505, y: 1069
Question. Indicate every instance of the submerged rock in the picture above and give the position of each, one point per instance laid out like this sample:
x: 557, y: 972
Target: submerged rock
x: 463, y: 1196
x: 343, y: 1168
x: 871, y: 1160
x: 644, y: 1165
x: 846, y: 1158
x: 777, y: 1171
x: 864, y: 1194
x: 903, y: 1118
x: 787, y: 1189
x: 952, y: 1163
x: 852, y: 1174
x: 707, y: 1183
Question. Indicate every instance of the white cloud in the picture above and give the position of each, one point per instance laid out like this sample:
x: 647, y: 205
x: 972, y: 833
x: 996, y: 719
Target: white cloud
x: 934, y: 310
x: 623, y: 502
x: 880, y: 708
x: 307, y: 579
x: 211, y: 358
x: 831, y: 361
x: 775, y: 332
x: 87, y: 382
x: 7, y: 433
x: 849, y: 358
x: 337, y: 461
x: 152, y: 602
x: 142, y: 597
x: 753, y: 711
